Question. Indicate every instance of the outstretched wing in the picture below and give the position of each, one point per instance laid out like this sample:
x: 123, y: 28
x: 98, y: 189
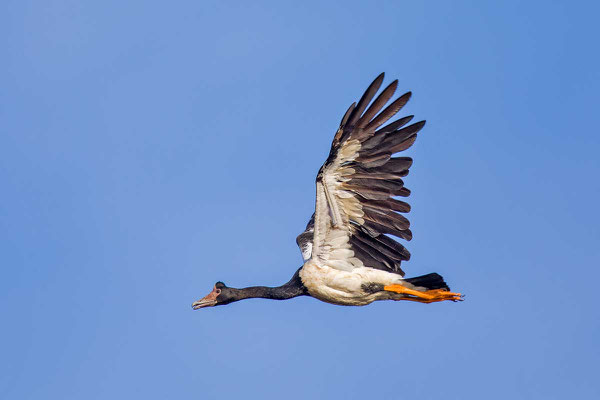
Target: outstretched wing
x: 356, y: 206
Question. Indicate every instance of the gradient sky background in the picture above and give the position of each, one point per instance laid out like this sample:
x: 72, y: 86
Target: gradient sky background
x: 149, y: 149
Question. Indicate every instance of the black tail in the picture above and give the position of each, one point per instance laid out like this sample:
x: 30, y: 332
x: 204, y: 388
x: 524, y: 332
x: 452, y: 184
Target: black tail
x: 429, y: 281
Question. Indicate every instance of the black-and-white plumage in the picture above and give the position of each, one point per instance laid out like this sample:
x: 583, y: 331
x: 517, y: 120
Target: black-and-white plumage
x: 360, y: 179
x: 350, y: 257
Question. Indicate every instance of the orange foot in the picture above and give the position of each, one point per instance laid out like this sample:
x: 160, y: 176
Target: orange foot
x: 429, y: 296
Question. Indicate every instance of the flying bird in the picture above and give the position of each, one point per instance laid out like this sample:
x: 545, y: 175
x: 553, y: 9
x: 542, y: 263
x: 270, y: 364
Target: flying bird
x: 349, y: 257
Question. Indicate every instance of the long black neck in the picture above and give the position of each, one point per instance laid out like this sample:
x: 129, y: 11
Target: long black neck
x: 293, y: 288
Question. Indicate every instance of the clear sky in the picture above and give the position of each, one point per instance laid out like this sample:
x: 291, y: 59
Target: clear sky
x: 151, y: 148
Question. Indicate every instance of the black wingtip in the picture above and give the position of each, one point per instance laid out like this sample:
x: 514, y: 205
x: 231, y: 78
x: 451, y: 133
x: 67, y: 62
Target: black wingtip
x: 347, y: 114
x: 366, y: 99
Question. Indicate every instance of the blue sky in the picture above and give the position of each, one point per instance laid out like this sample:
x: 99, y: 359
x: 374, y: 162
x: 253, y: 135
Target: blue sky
x: 149, y: 149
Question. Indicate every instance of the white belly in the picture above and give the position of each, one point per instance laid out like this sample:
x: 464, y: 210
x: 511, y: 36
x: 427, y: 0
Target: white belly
x: 344, y: 287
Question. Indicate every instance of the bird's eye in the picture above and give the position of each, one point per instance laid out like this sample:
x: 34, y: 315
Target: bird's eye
x: 218, y: 291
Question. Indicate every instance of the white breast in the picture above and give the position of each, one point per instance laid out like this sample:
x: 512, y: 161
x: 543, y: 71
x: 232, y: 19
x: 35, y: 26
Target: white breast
x: 344, y: 287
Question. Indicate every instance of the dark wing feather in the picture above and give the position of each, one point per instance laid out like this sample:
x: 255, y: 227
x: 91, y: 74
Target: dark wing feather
x: 305, y: 239
x: 389, y: 112
x: 366, y: 99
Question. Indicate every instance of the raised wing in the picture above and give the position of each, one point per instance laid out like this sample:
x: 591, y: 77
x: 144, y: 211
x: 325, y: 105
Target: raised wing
x: 356, y: 188
x: 305, y: 239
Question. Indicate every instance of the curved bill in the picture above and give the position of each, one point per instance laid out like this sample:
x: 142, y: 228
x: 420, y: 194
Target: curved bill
x: 203, y: 303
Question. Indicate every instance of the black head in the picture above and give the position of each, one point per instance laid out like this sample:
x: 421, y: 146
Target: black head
x: 220, y: 295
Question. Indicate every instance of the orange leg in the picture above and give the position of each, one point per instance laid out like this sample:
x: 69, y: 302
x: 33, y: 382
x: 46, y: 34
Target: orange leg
x: 429, y: 296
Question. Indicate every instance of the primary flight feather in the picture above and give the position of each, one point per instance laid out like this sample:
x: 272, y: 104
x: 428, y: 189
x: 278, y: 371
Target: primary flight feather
x: 349, y: 259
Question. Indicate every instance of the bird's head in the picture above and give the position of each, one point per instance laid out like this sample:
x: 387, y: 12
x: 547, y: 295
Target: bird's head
x: 220, y: 295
